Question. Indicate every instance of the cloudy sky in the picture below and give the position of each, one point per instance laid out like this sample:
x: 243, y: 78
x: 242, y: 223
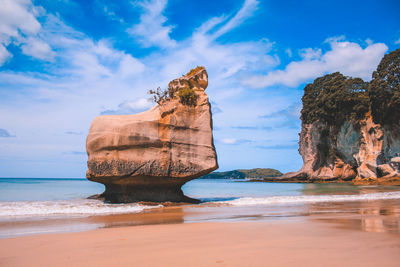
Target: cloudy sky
x: 64, y: 62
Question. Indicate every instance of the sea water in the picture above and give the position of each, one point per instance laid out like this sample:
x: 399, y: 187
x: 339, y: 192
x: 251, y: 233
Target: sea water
x: 41, y: 205
x: 44, y: 197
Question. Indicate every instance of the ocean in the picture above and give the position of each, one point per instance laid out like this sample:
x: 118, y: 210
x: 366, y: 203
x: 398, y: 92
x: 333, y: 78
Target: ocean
x: 25, y: 200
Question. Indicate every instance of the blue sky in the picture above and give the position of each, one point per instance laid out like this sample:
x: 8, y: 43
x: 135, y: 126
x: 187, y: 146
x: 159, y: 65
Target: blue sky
x: 64, y: 62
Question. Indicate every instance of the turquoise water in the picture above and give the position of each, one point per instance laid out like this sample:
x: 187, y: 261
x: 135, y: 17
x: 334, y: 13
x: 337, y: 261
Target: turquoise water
x: 46, y: 189
x: 32, y: 206
x: 42, y: 189
x: 30, y: 197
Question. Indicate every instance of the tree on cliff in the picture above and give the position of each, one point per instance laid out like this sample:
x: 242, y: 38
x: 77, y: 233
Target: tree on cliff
x: 384, y: 90
x: 334, y: 98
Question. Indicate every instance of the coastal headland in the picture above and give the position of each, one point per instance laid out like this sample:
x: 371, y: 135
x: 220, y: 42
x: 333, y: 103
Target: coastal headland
x: 350, y: 128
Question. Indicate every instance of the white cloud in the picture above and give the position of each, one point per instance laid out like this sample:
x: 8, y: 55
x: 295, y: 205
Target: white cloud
x: 4, y: 54
x: 369, y: 41
x: 310, y: 53
x: 101, y: 6
x: 210, y: 24
x: 234, y: 141
x: 397, y: 41
x: 142, y: 103
x: 17, y: 15
x: 130, y: 107
x: 347, y: 57
x: 229, y: 141
x: 151, y: 31
x: 87, y: 60
x: 246, y: 11
x: 38, y: 49
x: 289, y: 52
x: 18, y: 25
x: 5, y: 133
x: 130, y: 66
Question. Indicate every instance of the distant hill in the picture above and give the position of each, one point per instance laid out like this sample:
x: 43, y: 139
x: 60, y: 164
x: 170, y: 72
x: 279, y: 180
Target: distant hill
x: 257, y: 173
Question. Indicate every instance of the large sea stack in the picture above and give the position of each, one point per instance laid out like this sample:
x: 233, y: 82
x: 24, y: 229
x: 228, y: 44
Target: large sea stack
x: 351, y: 128
x: 150, y: 155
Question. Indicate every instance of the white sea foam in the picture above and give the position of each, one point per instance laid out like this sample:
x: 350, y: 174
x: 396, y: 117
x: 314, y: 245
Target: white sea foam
x: 69, y: 208
x: 10, y: 210
x: 281, y: 200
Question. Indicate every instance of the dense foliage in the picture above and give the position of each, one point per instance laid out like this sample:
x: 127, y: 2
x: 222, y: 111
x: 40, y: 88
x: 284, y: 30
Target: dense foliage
x: 258, y: 173
x: 187, y: 96
x: 335, y: 98
x: 384, y: 90
x: 261, y: 173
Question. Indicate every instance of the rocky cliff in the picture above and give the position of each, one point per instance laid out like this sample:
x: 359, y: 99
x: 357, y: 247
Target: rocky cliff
x: 150, y: 155
x: 350, y: 128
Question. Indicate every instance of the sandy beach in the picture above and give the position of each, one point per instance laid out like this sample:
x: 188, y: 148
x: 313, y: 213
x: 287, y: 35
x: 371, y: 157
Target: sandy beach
x: 278, y: 243
x: 327, y: 225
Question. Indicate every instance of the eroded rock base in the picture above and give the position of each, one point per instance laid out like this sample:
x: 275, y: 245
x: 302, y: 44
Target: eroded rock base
x: 144, y: 188
x: 133, y: 193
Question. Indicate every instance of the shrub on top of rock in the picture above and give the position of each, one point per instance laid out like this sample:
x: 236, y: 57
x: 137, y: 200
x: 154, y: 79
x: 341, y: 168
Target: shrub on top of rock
x: 194, y: 71
x: 187, y: 96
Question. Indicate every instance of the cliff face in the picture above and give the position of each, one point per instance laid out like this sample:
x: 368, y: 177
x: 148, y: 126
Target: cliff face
x: 150, y: 155
x: 351, y: 128
x: 363, y: 151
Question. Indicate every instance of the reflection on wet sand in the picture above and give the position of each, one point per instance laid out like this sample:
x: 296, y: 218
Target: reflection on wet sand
x: 380, y: 216
x: 23, y: 226
x: 345, y: 189
x: 166, y: 215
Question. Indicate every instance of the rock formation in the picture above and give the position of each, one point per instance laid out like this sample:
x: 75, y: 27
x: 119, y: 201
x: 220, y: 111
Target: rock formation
x: 350, y: 128
x: 150, y: 155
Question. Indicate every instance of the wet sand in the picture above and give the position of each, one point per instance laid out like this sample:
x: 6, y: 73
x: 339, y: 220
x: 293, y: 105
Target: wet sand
x: 360, y: 233
x: 263, y: 243
x: 371, y: 216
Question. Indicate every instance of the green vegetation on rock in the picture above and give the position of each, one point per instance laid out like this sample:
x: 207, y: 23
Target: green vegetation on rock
x: 187, y: 96
x: 384, y: 90
x: 335, y: 98
x: 335, y: 106
x: 258, y: 173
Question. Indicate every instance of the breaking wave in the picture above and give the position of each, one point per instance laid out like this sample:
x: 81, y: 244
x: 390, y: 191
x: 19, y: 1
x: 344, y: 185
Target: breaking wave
x: 70, y: 208
x: 85, y: 207
x: 281, y: 200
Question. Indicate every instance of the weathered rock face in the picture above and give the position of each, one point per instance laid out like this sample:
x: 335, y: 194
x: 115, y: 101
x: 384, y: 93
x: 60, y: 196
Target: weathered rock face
x: 351, y: 128
x: 363, y: 152
x: 150, y: 155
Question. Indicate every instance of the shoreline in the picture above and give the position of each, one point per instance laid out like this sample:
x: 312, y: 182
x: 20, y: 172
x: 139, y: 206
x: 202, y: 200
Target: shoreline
x: 395, y: 181
x: 255, y: 243
x: 374, y: 215
x: 324, y: 233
